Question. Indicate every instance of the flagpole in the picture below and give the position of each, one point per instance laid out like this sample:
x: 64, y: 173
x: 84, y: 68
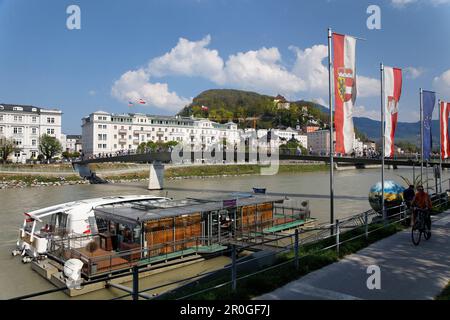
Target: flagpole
x: 440, y: 145
x: 330, y: 103
x: 421, y: 136
x: 383, y: 129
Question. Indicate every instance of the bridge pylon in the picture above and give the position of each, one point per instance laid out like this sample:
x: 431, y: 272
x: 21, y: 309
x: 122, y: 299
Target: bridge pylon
x: 156, y: 176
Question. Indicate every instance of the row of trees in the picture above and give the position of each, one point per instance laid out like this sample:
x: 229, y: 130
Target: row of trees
x: 48, y: 147
x: 151, y: 146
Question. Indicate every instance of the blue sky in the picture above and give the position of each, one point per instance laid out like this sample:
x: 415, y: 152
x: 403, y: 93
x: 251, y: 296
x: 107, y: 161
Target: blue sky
x: 167, y: 52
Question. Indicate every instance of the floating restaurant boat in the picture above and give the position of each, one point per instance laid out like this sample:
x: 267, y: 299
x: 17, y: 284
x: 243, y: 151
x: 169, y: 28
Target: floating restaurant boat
x: 104, y: 236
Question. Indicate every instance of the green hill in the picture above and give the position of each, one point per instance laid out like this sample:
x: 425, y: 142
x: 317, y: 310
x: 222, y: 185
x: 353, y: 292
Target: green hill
x: 245, y: 107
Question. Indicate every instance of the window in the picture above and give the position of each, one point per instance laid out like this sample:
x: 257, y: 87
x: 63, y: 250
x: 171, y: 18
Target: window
x: 33, y: 142
x: 104, y: 146
x: 33, y: 154
x: 33, y: 119
x: 1, y: 129
x: 50, y: 131
x: 17, y: 130
x: 115, y: 146
x: 17, y: 154
x: 1, y: 117
x: 18, y: 142
x: 33, y: 130
x: 115, y: 127
x: 115, y: 136
x: 18, y: 118
x: 50, y: 120
x: 99, y: 145
x: 17, y: 108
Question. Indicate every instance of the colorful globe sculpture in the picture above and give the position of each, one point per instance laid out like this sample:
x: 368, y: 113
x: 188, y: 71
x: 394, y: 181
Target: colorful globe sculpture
x: 393, y: 195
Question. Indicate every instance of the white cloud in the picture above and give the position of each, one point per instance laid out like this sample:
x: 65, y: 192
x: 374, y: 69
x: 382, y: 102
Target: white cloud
x: 442, y: 84
x: 414, y: 73
x: 92, y: 92
x: 309, y: 67
x: 401, y: 3
x: 261, y: 70
x: 189, y: 58
x: 404, y: 3
x: 135, y: 85
x: 362, y: 111
x: 320, y: 101
x: 367, y: 87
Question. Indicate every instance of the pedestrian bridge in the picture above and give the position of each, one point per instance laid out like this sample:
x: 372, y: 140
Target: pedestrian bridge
x: 158, y: 159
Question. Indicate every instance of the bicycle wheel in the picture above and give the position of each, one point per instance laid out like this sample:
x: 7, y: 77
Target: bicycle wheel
x: 416, y: 234
x: 427, y: 232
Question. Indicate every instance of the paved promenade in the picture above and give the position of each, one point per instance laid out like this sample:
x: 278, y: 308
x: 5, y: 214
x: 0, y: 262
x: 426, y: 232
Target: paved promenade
x: 407, y: 271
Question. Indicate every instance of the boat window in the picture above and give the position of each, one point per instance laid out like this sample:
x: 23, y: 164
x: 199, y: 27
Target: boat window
x: 92, y: 225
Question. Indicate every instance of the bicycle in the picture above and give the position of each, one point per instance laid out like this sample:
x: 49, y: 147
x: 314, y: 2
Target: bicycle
x: 420, y: 226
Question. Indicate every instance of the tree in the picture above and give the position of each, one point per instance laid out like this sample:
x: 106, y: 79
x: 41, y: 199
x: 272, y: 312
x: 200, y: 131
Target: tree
x: 7, y: 146
x: 141, y: 148
x: 49, y: 146
x: 291, y: 146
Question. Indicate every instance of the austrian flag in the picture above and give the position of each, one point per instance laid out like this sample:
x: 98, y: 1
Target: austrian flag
x: 344, y: 90
x: 445, y: 142
x: 392, y: 92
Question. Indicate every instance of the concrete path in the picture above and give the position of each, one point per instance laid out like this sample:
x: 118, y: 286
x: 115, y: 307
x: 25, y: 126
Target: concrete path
x: 407, y: 271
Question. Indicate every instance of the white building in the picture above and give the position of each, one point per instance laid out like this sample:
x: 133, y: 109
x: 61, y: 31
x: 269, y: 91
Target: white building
x: 319, y: 142
x: 73, y: 143
x: 288, y: 134
x: 281, y: 102
x: 104, y: 133
x: 25, y: 124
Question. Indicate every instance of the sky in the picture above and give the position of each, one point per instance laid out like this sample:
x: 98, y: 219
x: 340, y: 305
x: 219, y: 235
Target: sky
x: 167, y: 52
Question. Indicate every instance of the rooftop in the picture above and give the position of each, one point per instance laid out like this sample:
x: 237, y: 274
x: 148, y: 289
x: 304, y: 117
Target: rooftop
x: 129, y: 213
x: 24, y: 108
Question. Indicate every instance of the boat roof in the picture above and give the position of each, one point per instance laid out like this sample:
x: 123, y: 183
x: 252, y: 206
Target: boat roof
x: 89, y: 204
x: 135, y: 213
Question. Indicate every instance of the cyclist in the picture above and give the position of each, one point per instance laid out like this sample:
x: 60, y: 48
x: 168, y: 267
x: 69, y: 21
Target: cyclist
x: 422, y: 201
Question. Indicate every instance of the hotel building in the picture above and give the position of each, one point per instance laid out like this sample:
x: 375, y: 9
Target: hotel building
x: 25, y: 124
x: 104, y: 133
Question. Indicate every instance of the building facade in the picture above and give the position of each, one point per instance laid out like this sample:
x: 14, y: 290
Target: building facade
x: 25, y: 124
x: 73, y: 143
x: 319, y: 142
x: 104, y: 133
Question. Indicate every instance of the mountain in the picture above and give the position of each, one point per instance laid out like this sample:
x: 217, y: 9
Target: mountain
x: 406, y: 131
x: 229, y: 104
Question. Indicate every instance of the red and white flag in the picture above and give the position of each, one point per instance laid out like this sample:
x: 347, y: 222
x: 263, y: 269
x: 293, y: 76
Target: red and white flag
x: 344, y: 90
x: 392, y: 92
x: 444, y: 109
x: 142, y: 101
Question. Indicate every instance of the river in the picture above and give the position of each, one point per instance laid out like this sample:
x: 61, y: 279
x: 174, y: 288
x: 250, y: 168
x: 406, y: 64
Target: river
x: 351, y: 191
